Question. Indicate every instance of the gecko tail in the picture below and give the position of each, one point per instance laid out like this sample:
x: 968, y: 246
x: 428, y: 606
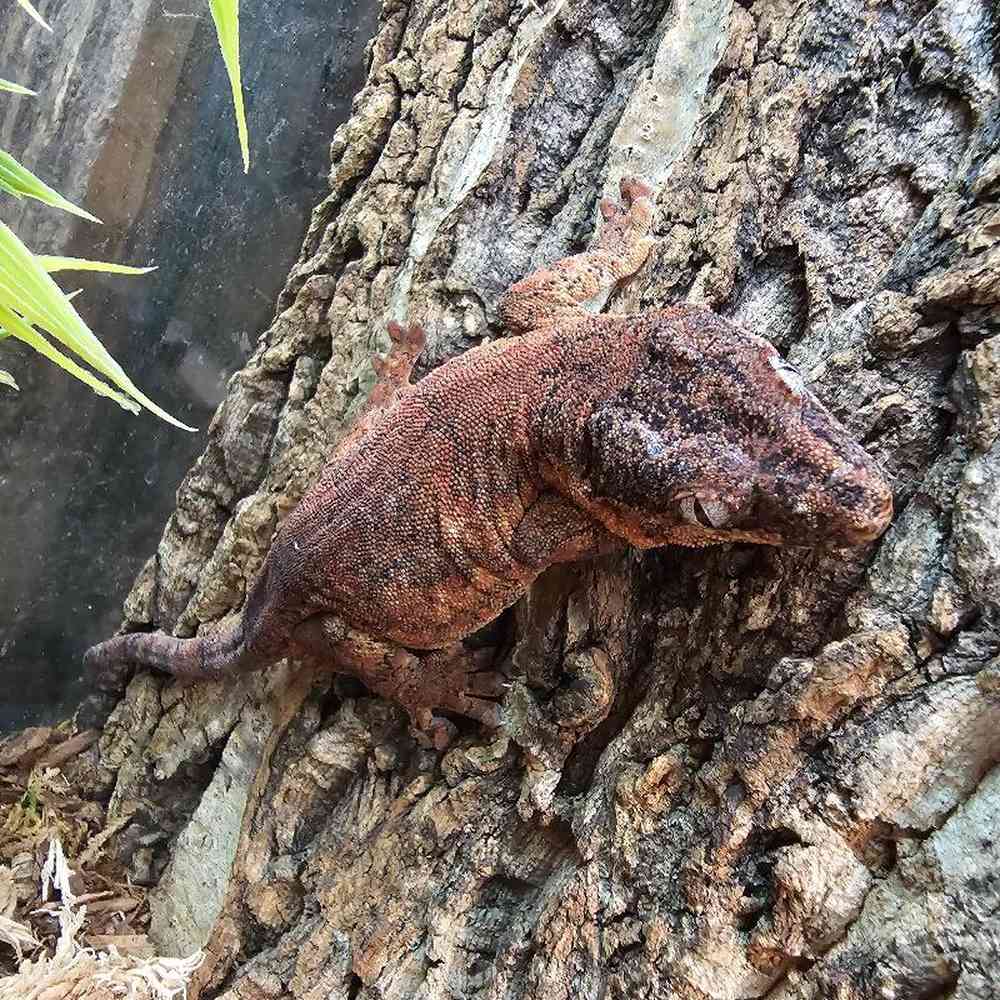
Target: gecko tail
x: 207, y: 657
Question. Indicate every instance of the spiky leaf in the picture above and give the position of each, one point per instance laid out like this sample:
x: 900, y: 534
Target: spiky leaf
x: 52, y: 263
x: 7, y: 379
x: 30, y: 336
x: 16, y: 88
x: 226, y: 14
x: 29, y: 298
x: 22, y: 183
x: 34, y: 13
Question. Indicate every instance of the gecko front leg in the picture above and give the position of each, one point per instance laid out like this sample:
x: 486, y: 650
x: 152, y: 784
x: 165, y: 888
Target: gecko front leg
x: 553, y: 294
x: 393, y: 373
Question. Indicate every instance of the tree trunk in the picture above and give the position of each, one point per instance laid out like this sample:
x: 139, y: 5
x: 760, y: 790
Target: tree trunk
x: 789, y: 787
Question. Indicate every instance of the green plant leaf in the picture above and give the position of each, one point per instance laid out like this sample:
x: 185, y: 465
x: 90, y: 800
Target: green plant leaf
x: 23, y: 332
x: 51, y: 263
x: 30, y: 298
x: 16, y: 88
x: 226, y: 14
x: 69, y: 298
x: 7, y: 379
x: 34, y: 13
x: 22, y: 183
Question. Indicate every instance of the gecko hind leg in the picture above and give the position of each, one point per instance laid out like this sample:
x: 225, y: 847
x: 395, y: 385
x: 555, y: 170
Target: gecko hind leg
x: 455, y: 679
x: 554, y: 294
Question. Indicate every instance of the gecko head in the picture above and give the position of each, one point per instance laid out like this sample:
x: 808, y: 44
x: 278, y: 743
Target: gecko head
x: 813, y: 481
x: 719, y: 439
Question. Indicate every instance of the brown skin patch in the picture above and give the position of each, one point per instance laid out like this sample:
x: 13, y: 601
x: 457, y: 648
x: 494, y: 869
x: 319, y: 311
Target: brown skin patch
x: 582, y: 435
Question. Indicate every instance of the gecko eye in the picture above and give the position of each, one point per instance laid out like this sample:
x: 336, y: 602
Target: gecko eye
x: 705, y: 513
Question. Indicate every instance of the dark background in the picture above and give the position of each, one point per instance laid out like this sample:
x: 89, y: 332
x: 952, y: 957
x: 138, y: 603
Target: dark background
x: 84, y: 486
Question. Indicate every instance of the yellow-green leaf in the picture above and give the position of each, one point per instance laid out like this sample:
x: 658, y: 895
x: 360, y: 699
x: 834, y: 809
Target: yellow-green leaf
x: 22, y: 183
x: 69, y: 298
x: 16, y: 88
x: 52, y: 263
x: 226, y: 14
x: 34, y: 13
x: 22, y: 331
x: 30, y: 298
x: 7, y: 379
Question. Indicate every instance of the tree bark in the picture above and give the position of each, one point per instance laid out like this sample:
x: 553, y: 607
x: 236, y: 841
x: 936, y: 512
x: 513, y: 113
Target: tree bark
x: 727, y: 773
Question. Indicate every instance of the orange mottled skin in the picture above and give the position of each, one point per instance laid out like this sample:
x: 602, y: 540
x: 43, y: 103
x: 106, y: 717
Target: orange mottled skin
x: 582, y: 435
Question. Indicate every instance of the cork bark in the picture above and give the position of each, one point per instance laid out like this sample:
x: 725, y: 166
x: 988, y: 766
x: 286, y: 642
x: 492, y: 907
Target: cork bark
x: 730, y: 773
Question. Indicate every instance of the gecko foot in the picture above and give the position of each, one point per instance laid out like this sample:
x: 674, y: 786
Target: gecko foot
x: 395, y: 368
x: 433, y: 731
x: 636, y: 200
x: 453, y: 679
x: 106, y: 672
x: 624, y: 235
x: 411, y: 338
x: 555, y: 294
x: 392, y: 370
x: 107, y: 676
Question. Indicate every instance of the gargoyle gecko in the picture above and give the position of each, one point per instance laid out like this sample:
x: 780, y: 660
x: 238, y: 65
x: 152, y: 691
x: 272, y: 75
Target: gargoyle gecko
x: 582, y: 435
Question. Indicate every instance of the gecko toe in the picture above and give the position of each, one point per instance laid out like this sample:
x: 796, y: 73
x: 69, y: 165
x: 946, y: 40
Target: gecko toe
x: 110, y: 677
x: 632, y: 189
x: 411, y: 337
x: 95, y: 710
x: 432, y: 731
x: 493, y: 716
x: 442, y: 732
x: 610, y: 209
x: 489, y: 713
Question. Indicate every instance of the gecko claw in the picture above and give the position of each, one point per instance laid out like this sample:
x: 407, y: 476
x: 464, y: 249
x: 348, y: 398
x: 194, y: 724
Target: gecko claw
x: 487, y: 684
x: 433, y: 731
x: 412, y: 338
x: 609, y: 209
x: 491, y: 717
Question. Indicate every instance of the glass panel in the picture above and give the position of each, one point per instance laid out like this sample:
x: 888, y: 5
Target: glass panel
x: 134, y: 121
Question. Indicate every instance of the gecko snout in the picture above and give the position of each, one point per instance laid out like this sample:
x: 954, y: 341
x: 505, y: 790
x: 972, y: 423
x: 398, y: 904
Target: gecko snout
x: 861, y: 501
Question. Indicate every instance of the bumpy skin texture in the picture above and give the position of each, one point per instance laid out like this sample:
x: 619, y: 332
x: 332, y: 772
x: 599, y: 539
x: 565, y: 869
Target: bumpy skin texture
x: 583, y: 435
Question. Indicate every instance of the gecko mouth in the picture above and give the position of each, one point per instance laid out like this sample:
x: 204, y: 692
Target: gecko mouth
x: 865, y: 502
x: 834, y: 528
x: 858, y: 536
x: 874, y: 527
x: 866, y: 529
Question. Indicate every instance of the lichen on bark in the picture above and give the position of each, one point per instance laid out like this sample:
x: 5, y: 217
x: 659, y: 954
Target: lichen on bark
x: 727, y: 773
